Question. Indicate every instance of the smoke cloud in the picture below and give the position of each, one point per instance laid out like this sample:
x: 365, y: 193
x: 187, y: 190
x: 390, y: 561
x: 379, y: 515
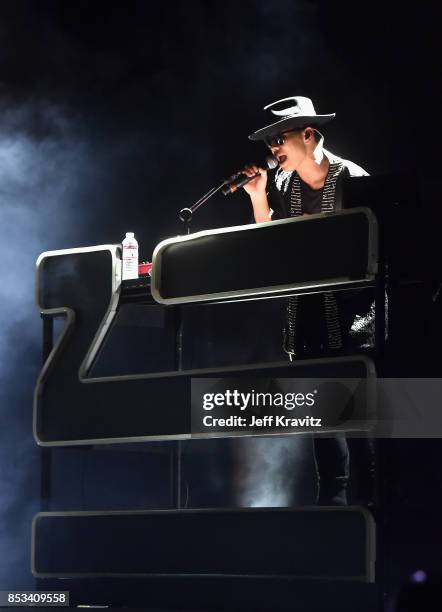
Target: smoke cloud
x: 271, y: 471
x: 42, y: 166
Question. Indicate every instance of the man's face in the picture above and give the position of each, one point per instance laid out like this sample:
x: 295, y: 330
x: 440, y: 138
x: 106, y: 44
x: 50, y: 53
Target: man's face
x: 289, y: 148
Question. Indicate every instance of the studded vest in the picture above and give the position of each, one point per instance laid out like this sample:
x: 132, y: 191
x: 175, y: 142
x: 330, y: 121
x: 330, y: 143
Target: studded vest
x: 290, y: 182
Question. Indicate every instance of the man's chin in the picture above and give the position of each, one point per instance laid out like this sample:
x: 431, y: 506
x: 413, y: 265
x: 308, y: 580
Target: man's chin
x: 287, y: 166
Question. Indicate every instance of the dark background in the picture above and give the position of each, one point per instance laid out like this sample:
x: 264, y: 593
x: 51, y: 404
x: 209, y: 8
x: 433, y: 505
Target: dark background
x: 113, y: 116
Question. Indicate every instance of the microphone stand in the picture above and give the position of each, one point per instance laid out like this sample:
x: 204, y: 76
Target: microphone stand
x: 230, y: 186
x: 186, y: 214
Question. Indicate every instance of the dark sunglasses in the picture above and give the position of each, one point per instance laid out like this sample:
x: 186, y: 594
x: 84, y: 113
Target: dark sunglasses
x: 276, y: 140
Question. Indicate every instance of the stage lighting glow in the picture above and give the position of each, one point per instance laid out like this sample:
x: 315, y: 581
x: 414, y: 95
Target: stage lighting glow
x: 419, y: 576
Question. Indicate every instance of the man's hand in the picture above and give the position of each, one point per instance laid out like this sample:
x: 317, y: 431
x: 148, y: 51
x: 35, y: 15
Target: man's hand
x: 258, y: 185
x: 257, y: 192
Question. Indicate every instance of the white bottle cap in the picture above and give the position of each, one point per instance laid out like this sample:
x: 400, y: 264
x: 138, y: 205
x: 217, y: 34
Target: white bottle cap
x: 130, y: 235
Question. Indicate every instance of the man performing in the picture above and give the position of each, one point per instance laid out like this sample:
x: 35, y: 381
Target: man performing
x: 308, y: 181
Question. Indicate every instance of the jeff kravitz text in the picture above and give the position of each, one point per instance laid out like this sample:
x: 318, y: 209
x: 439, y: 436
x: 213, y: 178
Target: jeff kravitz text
x: 269, y: 420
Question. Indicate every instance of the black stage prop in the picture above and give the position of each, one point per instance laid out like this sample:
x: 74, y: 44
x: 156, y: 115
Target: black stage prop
x: 81, y: 399
x: 327, y: 543
x: 82, y: 285
x: 258, y: 559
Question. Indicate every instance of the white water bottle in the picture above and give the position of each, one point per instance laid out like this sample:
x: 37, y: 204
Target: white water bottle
x: 130, y: 256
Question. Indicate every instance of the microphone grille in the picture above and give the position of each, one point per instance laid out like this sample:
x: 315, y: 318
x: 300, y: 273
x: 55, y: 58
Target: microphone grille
x: 271, y: 162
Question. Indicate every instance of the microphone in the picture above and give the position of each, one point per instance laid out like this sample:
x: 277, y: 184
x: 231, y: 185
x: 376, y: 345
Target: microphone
x: 239, y: 179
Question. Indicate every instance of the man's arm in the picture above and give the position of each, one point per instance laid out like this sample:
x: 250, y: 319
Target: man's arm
x: 257, y: 192
x: 261, y: 208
